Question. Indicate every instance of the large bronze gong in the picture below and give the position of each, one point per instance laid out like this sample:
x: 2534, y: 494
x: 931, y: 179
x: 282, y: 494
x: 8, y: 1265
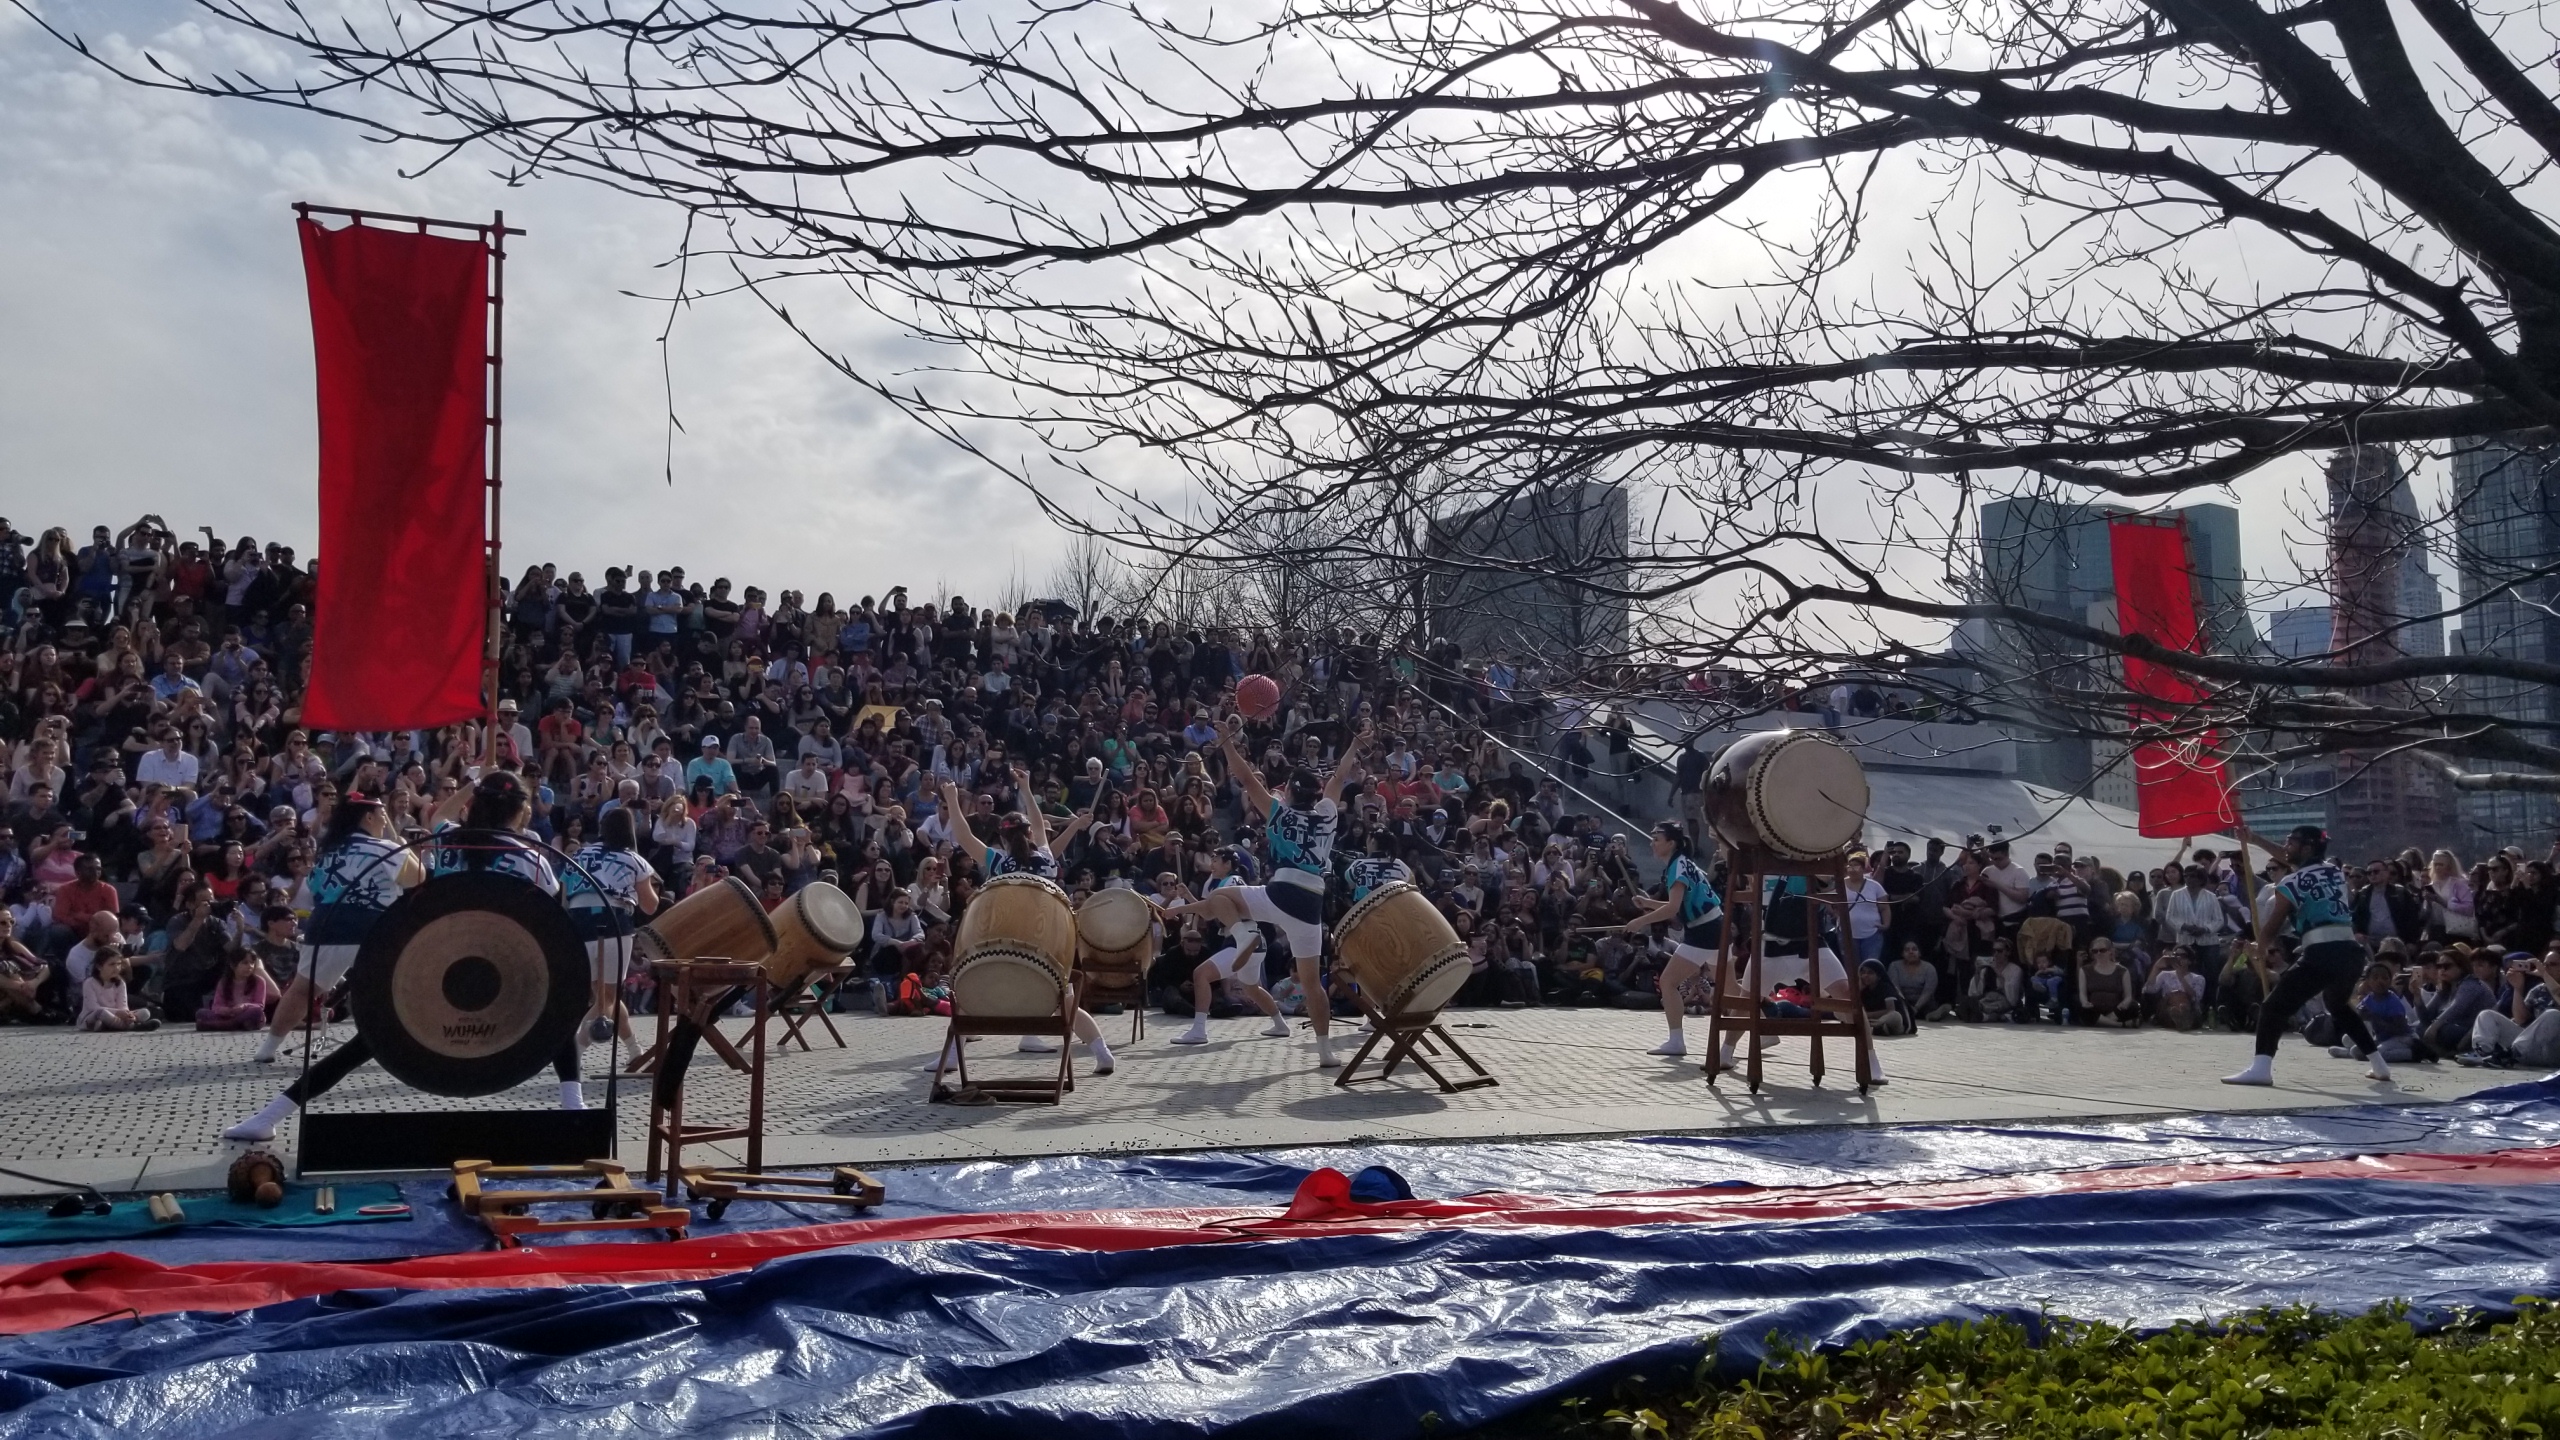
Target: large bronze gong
x: 470, y: 984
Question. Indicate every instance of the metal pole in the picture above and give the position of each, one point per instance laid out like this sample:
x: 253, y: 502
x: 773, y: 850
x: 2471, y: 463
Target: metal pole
x: 493, y: 652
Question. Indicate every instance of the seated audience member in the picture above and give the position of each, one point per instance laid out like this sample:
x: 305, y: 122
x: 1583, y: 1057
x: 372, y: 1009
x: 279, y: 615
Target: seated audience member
x: 2104, y: 992
x: 1886, y: 1014
x: 2527, y: 1030
x: 243, y: 999
x: 103, y: 1005
x: 1998, y: 989
x: 2450, y: 1031
x: 1916, y: 980
x: 2387, y: 1014
x: 22, y: 975
x: 2176, y: 993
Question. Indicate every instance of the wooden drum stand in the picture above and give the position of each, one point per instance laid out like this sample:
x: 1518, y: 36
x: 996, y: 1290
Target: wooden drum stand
x: 697, y: 990
x: 1740, y: 988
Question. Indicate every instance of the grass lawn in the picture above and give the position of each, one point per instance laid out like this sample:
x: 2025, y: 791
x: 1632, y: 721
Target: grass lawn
x: 2273, y: 1373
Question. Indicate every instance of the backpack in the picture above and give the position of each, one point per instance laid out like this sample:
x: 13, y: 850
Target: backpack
x: 910, y: 999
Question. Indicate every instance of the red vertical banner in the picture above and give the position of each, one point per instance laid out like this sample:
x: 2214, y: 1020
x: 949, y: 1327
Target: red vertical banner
x: 2182, y: 787
x: 400, y: 330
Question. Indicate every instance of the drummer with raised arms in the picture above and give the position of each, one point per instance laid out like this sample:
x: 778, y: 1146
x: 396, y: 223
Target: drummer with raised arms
x: 2314, y: 902
x: 608, y: 889
x: 360, y: 871
x: 1021, y: 847
x: 1690, y: 902
x: 1300, y: 832
x: 1238, y: 963
x: 490, y: 837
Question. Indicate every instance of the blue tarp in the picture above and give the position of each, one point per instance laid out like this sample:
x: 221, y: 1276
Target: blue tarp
x: 2510, y: 1116
x: 1359, y: 1335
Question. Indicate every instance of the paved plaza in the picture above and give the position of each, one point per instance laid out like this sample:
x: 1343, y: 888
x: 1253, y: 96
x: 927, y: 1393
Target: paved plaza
x: 143, y: 1111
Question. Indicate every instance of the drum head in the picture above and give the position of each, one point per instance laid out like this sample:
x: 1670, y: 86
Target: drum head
x: 1438, y: 983
x: 1114, y: 920
x: 1811, y: 796
x: 829, y: 916
x: 1006, y: 985
x: 470, y: 984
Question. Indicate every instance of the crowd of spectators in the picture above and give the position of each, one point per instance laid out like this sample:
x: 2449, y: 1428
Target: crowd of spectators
x: 2463, y: 967
x: 162, y: 799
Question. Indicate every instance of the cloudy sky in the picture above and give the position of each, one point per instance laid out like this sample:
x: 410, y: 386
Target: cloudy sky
x: 158, y: 353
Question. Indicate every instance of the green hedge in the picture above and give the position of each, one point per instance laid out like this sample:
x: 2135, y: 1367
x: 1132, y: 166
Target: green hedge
x: 2273, y: 1373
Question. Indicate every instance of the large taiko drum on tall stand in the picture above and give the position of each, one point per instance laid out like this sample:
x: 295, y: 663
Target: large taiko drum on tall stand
x: 814, y: 930
x: 724, y: 920
x: 1116, y: 929
x: 1400, y: 948
x: 1798, y: 794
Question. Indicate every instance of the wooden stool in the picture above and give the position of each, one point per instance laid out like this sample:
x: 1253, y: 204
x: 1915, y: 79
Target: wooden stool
x: 697, y: 990
x: 613, y: 1204
x: 1115, y: 983
x: 1409, y: 1037
x: 842, y: 1185
x: 1741, y: 961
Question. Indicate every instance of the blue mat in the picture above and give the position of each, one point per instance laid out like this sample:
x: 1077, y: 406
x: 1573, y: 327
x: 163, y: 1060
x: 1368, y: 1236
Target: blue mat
x: 2509, y: 1116
x: 29, y: 1225
x: 1365, y: 1335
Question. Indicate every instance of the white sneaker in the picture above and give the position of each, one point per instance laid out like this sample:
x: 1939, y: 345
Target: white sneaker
x: 2261, y: 1071
x: 1674, y: 1045
x: 1102, y: 1061
x: 1037, y: 1045
x: 2377, y: 1067
x: 949, y: 1060
x: 261, y: 1126
x: 1324, y: 1054
x: 1278, y: 1029
x: 1196, y: 1035
x: 2343, y: 1052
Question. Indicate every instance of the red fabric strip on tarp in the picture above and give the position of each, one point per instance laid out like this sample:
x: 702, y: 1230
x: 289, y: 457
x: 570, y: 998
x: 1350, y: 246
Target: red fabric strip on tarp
x: 56, y: 1293
x: 400, y: 336
x: 2181, y: 789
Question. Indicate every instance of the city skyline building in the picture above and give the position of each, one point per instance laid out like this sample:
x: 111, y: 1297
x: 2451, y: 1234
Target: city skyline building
x: 2385, y: 800
x: 2506, y: 512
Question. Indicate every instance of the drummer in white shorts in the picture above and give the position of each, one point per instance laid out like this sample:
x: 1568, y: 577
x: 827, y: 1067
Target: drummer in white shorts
x: 1238, y: 964
x: 1690, y: 900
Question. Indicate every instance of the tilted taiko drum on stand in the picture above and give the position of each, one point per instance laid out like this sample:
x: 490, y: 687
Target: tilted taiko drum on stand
x: 1116, y: 929
x: 1400, y: 948
x: 724, y: 921
x: 1798, y: 794
x: 814, y: 930
x: 469, y: 984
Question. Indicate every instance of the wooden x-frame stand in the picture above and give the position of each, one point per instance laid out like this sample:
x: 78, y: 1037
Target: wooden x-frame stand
x: 1061, y: 1027
x: 697, y: 989
x: 1740, y: 987
x: 1414, y: 1036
